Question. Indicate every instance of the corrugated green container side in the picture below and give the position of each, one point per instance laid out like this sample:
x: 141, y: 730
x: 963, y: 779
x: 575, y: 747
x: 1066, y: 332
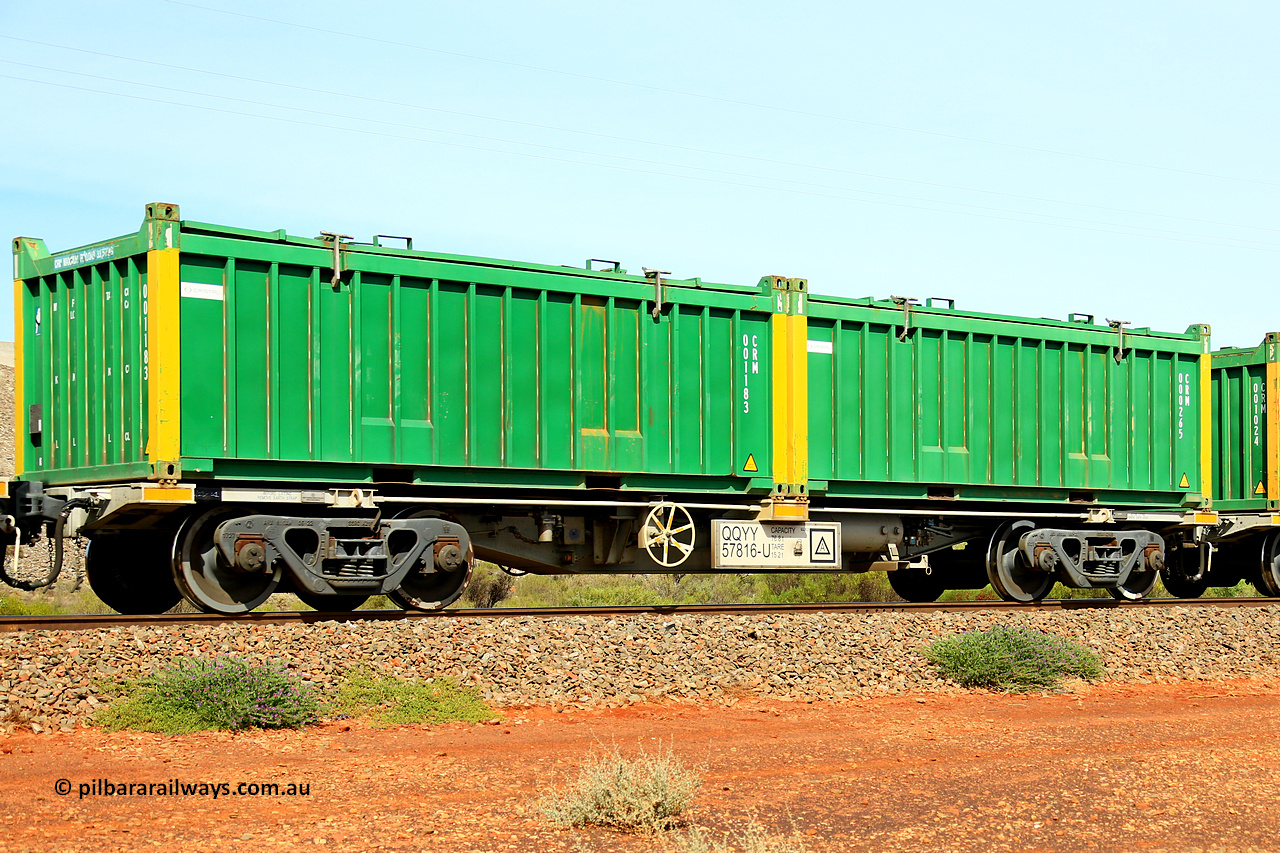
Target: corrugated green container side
x: 84, y: 360
x: 416, y: 367
x: 1245, y: 427
x: 988, y: 407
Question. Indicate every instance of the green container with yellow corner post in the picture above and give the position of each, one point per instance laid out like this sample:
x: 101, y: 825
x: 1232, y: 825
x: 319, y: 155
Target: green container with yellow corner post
x: 932, y: 402
x: 1246, y: 427
x: 195, y: 351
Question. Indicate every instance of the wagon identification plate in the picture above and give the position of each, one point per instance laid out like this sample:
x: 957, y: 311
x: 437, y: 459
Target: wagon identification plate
x: 773, y: 545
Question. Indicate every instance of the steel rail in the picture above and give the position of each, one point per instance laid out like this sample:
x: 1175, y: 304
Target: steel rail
x: 88, y: 622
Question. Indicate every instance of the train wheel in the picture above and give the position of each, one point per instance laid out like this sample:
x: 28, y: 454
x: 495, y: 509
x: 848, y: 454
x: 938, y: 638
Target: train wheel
x: 1137, y: 587
x: 921, y: 585
x: 131, y: 572
x: 1268, y: 582
x: 331, y: 603
x: 437, y: 589
x: 1174, y: 575
x: 1010, y: 576
x: 205, y: 578
x: 1141, y: 581
x: 1180, y: 587
x: 434, y: 591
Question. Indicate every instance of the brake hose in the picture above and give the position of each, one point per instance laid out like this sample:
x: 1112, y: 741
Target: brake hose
x: 56, y: 568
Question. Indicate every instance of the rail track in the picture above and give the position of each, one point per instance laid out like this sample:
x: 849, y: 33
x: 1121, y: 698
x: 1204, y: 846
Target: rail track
x: 88, y: 622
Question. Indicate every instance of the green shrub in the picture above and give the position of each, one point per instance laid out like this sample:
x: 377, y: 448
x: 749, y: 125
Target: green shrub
x: 391, y: 702
x: 753, y: 839
x: 224, y: 693
x: 646, y: 794
x: 582, y: 591
x: 792, y: 587
x: 12, y: 605
x: 489, y: 585
x: 1017, y: 659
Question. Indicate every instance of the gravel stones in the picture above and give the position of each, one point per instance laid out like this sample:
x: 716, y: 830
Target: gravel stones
x: 54, y: 680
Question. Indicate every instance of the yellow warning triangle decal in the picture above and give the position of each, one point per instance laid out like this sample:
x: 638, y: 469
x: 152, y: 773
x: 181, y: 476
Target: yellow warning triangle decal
x: 750, y: 464
x: 1184, y: 483
x: 1261, y: 490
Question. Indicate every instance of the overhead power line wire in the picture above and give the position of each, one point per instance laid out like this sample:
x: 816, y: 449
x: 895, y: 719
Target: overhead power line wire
x: 617, y: 138
x: 720, y: 98
x: 640, y: 160
x: 1133, y: 231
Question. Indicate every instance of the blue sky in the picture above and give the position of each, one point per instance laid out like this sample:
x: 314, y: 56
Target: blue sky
x: 1022, y: 158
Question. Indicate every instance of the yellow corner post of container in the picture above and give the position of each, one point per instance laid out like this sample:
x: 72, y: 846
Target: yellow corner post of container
x: 164, y: 358
x: 790, y: 398
x: 19, y: 432
x: 1206, y: 424
x: 1273, y: 428
x: 799, y: 343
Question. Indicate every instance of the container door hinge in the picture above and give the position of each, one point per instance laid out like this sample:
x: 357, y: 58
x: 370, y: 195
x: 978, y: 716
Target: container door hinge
x: 906, y: 303
x: 1117, y: 326
x: 659, y: 289
x: 336, y: 239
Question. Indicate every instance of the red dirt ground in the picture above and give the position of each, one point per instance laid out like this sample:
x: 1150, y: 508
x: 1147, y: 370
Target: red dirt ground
x: 1182, y: 767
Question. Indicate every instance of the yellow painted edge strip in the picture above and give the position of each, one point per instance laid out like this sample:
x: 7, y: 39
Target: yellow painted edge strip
x: 799, y: 344
x: 1206, y: 428
x: 161, y: 494
x: 1273, y: 431
x: 19, y: 409
x: 781, y: 399
x: 164, y: 357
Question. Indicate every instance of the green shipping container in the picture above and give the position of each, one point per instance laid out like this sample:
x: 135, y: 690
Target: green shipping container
x: 928, y: 402
x: 197, y: 351
x: 1246, y: 427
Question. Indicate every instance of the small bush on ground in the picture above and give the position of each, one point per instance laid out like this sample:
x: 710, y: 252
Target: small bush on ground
x: 787, y: 588
x: 581, y: 591
x: 489, y: 585
x: 1016, y: 659
x: 391, y: 702
x: 224, y: 693
x: 1243, y: 589
x: 646, y: 794
x: 753, y: 839
x: 13, y: 605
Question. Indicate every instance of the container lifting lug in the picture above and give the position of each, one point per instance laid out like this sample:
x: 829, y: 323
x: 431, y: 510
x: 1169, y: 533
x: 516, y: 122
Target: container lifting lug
x: 1117, y: 326
x: 905, y: 303
x: 336, y: 239
x: 659, y: 291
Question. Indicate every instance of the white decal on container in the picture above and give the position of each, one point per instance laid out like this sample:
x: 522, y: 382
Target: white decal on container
x: 750, y: 365
x: 196, y: 290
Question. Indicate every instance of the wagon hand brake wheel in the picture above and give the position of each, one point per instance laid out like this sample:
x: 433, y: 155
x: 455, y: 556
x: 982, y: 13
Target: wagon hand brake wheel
x: 668, y: 534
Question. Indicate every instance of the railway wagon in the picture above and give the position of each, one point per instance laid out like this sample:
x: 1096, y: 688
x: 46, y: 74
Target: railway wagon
x: 229, y: 413
x: 924, y: 404
x: 1246, y: 472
